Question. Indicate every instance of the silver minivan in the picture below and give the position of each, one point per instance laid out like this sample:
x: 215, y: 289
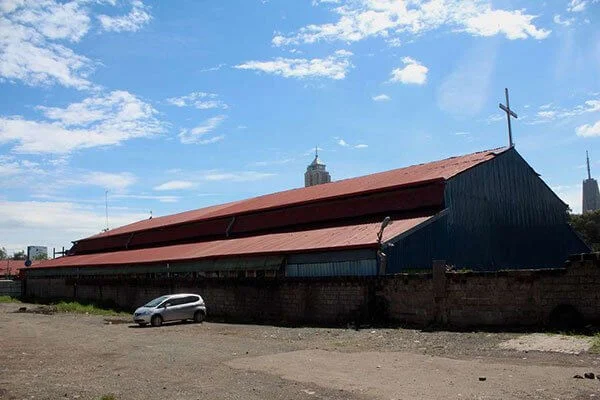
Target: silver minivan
x: 173, y: 307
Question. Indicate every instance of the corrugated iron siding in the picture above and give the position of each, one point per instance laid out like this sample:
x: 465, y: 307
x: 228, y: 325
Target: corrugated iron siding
x: 417, y: 250
x: 335, y: 268
x: 502, y: 215
x: 267, y: 263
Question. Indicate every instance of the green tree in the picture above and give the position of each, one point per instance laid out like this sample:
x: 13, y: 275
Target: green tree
x: 588, y: 227
x: 3, y: 254
x: 40, y: 257
x: 19, y: 255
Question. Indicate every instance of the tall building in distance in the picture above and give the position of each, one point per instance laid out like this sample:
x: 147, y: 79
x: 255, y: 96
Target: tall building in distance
x: 316, y: 173
x: 37, y: 252
x: 591, y: 195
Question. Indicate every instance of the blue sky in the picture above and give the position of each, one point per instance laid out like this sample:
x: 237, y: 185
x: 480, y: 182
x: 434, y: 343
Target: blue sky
x: 175, y: 105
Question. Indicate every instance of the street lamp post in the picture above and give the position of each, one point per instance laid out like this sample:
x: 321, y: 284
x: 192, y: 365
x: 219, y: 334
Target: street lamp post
x: 381, y: 256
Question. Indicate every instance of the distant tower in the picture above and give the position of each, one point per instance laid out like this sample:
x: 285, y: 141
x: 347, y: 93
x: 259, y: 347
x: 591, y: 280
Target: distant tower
x: 316, y: 173
x: 591, y: 196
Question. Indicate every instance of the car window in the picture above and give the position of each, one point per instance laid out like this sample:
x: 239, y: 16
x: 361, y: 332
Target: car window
x: 164, y: 303
x: 177, y: 301
x: 155, y: 302
x: 191, y: 299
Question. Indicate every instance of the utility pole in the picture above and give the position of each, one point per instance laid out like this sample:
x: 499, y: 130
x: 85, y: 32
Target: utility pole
x: 106, y: 208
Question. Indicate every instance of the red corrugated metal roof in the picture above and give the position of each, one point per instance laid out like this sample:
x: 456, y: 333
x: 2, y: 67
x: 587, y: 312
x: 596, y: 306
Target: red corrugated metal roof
x: 339, y: 237
x: 11, y: 267
x: 443, y: 169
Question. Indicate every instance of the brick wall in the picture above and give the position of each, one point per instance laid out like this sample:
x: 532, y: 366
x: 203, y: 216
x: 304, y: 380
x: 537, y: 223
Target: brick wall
x: 460, y: 299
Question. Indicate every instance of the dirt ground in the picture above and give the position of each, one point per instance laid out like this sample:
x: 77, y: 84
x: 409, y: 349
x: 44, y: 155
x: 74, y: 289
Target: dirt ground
x: 85, y: 357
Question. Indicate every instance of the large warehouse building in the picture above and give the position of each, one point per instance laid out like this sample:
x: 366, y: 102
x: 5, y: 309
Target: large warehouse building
x: 483, y: 211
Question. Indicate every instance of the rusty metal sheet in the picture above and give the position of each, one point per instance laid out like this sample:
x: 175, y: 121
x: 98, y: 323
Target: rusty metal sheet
x: 416, y: 174
x: 323, y: 239
x: 12, y: 267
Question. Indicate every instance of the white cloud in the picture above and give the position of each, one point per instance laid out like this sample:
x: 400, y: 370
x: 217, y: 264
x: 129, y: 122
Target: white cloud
x: 137, y: 17
x: 343, y: 143
x: 56, y: 224
x: 199, y: 100
x: 161, y: 199
x: 549, y: 112
x: 412, y: 73
x: 46, y: 180
x: 564, y: 22
x: 244, y: 176
x: 313, y: 150
x: 269, y: 163
x: 27, y: 56
x: 577, y: 5
x: 589, y: 130
x: 381, y: 97
x: 198, y: 134
x: 34, y: 36
x: 513, y: 24
x: 111, y: 181
x: 96, y: 121
x: 493, y: 118
x: 175, y: 185
x: 334, y: 67
x: 215, y: 68
x: 11, y: 167
x: 571, y: 195
x: 211, y: 140
x: 317, y: 2
x: 465, y: 91
x: 390, y: 19
x: 54, y: 20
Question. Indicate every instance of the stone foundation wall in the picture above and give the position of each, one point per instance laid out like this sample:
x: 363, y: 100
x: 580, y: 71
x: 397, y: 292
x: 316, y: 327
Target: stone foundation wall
x: 457, y: 299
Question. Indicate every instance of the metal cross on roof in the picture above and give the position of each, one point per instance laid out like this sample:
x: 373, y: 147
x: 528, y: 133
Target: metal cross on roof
x: 509, y: 113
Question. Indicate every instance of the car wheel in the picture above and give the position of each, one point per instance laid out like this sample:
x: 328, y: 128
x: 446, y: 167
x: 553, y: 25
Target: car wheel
x: 198, y: 316
x: 157, y: 320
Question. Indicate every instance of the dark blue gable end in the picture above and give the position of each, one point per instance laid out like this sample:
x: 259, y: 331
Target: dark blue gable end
x: 500, y: 215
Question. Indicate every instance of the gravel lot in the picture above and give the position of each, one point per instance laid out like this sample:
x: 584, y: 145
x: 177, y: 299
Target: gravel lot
x: 85, y: 357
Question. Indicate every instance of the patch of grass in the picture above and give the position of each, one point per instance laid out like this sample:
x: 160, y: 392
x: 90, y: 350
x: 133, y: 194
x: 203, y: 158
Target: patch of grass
x: 9, y: 299
x: 92, y: 309
x: 595, y: 349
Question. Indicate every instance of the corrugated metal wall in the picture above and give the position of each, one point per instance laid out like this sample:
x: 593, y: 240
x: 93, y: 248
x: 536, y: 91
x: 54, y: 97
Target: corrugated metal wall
x: 333, y: 268
x: 417, y: 250
x: 232, y: 264
x: 502, y: 215
x: 334, y: 263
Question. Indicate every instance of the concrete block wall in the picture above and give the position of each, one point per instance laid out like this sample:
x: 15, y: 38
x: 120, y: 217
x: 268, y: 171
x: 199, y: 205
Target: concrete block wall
x: 521, y: 297
x: 408, y: 298
x: 323, y: 301
x: 10, y: 288
x: 458, y: 299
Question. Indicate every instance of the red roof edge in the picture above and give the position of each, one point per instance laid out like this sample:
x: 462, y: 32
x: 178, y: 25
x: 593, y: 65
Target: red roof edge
x: 300, y: 203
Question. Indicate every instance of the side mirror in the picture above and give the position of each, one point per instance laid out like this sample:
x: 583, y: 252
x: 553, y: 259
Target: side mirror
x: 166, y: 305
